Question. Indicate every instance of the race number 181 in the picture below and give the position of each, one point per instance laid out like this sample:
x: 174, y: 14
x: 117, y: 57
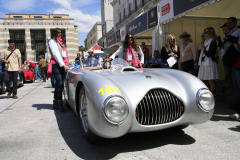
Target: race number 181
x: 109, y: 89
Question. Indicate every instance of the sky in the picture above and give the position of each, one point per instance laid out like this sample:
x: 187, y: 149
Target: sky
x: 85, y: 12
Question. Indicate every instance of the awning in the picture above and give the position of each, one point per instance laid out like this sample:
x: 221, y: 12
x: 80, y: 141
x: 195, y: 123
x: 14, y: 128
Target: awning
x: 97, y: 49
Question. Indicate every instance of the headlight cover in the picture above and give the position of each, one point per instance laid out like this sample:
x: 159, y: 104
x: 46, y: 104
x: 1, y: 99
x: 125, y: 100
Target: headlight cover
x: 115, y: 109
x: 205, y: 100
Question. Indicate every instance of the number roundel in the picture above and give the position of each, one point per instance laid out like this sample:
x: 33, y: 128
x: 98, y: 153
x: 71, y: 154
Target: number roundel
x: 108, y: 89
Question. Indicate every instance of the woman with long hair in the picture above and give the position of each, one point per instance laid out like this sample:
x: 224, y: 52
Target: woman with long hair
x: 58, y: 65
x: 171, y: 49
x: 129, y: 51
x: 208, y: 70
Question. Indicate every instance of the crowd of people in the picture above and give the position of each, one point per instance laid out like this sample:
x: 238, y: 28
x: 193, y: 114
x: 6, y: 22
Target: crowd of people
x: 201, y: 61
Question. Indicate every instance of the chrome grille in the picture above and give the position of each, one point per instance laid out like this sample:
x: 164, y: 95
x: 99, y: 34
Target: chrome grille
x: 157, y: 107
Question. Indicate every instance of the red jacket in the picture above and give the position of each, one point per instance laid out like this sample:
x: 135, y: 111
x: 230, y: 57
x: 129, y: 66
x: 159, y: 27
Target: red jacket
x: 32, y: 65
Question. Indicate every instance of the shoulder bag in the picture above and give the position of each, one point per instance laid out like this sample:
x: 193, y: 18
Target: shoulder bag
x: 3, y: 63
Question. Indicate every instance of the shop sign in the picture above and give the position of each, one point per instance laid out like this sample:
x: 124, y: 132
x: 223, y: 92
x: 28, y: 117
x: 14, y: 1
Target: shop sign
x: 181, y: 6
x: 152, y: 18
x: 138, y: 25
x: 111, y: 39
x: 166, y: 10
x: 118, y: 36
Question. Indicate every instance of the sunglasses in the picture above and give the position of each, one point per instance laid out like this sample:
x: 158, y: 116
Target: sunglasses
x: 205, y: 32
x: 171, y: 39
x: 59, y: 32
x: 130, y: 37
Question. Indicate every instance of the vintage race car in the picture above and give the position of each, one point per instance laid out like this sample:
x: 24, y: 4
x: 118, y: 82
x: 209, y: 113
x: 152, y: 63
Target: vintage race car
x: 116, y: 101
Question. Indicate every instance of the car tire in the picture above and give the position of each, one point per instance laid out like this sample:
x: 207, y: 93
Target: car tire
x: 91, y: 137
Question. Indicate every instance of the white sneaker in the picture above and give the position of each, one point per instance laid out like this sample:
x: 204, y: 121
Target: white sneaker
x: 235, y: 116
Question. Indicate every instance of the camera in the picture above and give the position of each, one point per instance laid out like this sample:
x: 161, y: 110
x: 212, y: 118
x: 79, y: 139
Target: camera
x: 203, y: 58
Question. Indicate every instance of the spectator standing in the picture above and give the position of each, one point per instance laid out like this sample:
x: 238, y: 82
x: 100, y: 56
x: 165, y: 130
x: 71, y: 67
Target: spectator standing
x: 43, y: 67
x: 145, y: 51
x: 171, y: 49
x: 223, y: 46
x: 35, y: 68
x: 188, y: 53
x: 78, y: 59
x: 235, y: 32
x: 58, y: 65
x: 129, y: 51
x: 208, y: 70
x: 13, y: 66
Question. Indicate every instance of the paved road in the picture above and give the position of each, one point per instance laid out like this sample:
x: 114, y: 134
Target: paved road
x: 29, y: 129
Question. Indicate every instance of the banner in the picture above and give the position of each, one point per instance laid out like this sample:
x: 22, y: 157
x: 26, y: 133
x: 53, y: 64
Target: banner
x: 152, y: 18
x: 138, y: 25
x: 118, y: 36
x: 111, y: 39
x: 166, y: 10
x: 180, y: 6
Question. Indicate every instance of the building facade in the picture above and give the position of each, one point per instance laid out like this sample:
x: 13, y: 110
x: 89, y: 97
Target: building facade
x: 125, y: 14
x: 31, y: 33
x: 93, y: 36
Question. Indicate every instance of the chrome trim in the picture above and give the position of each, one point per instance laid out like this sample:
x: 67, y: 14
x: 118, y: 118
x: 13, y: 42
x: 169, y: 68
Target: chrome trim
x: 104, y: 114
x: 197, y: 100
x: 158, y: 106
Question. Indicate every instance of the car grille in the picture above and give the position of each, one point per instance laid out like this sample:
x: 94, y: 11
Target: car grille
x: 157, y: 107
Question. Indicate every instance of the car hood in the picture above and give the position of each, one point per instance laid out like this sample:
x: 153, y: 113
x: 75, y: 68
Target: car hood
x: 138, y: 82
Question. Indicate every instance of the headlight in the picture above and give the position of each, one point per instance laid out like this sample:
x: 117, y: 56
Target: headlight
x: 115, y: 109
x: 205, y: 100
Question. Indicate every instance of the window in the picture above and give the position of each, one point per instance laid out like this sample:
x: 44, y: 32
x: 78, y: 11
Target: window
x: 57, y: 17
x: 37, y: 16
x: 17, y: 16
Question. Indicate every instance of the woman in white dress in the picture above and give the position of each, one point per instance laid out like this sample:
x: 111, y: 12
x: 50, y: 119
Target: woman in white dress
x: 208, y: 70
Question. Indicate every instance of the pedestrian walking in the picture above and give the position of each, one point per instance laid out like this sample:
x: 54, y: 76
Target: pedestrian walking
x: 43, y: 67
x: 35, y: 68
x: 13, y: 64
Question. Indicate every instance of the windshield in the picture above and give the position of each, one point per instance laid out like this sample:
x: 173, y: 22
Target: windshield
x: 93, y: 62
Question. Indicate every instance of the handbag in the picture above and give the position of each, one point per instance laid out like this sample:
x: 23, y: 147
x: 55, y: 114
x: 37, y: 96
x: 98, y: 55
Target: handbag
x: 3, y: 63
x: 230, y: 56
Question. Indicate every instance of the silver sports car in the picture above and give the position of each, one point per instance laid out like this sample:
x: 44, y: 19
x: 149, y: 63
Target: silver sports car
x: 121, y: 99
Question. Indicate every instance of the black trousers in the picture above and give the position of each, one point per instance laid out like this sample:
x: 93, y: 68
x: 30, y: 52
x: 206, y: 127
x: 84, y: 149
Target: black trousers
x: 9, y: 76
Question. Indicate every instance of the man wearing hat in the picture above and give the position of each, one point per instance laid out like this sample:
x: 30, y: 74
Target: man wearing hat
x: 91, y: 60
x: 13, y: 65
x: 188, y: 53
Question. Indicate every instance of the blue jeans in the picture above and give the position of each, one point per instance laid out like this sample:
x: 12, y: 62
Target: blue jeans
x: 59, y: 74
x: 236, y: 85
x: 38, y: 75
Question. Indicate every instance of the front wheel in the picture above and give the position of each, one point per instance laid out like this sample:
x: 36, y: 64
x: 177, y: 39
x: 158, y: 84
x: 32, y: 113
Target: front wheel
x: 83, y: 113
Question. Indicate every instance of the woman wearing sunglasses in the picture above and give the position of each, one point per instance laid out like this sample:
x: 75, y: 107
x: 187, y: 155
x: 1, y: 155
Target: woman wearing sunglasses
x: 208, y: 70
x: 129, y: 51
x: 171, y: 49
x: 58, y: 65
